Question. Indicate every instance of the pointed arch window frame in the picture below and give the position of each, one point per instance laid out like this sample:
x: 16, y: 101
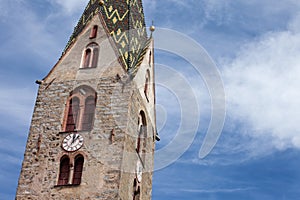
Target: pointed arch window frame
x: 142, y: 132
x: 72, y: 114
x: 90, y: 56
x: 82, y: 93
x: 147, y: 84
x: 70, y: 170
x: 64, y: 171
x: 78, y: 169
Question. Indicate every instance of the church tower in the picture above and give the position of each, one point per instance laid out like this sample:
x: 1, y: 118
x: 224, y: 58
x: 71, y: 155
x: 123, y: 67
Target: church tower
x: 93, y: 129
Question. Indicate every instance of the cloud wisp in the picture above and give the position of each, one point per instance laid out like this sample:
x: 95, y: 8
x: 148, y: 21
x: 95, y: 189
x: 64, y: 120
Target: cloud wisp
x: 262, y: 87
x: 217, y: 190
x: 70, y: 6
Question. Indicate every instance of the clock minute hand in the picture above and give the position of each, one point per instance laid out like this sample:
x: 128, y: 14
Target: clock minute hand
x: 77, y: 137
x: 74, y: 138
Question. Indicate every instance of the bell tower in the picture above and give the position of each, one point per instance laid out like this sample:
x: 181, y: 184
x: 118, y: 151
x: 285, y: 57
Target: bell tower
x: 93, y: 129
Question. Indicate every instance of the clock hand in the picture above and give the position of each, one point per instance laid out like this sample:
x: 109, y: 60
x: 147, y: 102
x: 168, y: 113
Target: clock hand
x: 77, y: 137
x: 74, y: 138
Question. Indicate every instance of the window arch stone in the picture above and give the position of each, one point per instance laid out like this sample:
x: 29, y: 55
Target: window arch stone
x: 90, y: 56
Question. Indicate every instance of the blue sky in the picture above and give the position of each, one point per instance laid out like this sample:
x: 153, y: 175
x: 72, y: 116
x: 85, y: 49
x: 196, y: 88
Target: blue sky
x: 255, y: 45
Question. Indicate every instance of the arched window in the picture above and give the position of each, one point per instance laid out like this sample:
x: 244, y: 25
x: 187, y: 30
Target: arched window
x: 95, y: 57
x: 64, y: 171
x: 78, y: 167
x: 80, y: 109
x: 91, y: 55
x: 147, y: 84
x: 94, y: 32
x: 142, y: 132
x: 87, y: 58
x: 73, y: 113
x: 89, y: 113
x: 150, y: 58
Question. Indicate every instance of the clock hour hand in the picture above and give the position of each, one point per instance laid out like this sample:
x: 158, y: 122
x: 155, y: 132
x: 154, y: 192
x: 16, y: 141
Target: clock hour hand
x: 75, y: 137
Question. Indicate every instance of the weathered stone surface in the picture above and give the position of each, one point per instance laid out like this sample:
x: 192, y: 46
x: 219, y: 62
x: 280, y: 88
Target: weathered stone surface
x: 109, y: 149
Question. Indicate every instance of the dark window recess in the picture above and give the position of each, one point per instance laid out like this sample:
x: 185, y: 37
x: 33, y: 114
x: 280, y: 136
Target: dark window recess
x: 147, y: 85
x: 73, y: 114
x: 64, y: 171
x: 134, y: 184
x: 95, y: 57
x: 136, y: 195
x: 91, y: 55
x: 142, y: 132
x: 150, y: 58
x: 89, y: 113
x: 78, y: 167
x: 87, y: 58
x: 94, y: 32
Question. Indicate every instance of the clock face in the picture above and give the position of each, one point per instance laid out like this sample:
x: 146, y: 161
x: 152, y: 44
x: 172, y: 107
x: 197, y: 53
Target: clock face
x: 72, y: 142
x: 139, y: 171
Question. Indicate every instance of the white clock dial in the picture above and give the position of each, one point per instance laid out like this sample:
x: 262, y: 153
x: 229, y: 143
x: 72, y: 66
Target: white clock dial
x: 72, y: 142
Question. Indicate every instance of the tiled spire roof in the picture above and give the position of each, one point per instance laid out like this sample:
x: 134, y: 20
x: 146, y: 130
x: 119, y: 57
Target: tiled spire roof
x: 125, y: 22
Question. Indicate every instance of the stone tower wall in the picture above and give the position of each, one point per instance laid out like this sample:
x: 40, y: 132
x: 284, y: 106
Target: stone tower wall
x: 108, y: 171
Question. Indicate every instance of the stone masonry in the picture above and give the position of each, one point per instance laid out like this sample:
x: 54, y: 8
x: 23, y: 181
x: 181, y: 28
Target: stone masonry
x: 109, y: 149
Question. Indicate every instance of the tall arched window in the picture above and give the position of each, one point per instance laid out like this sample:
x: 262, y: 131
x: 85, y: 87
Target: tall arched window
x: 80, y: 109
x: 147, y: 84
x: 73, y: 113
x: 142, y: 132
x: 78, y: 167
x: 91, y: 55
x: 87, y: 58
x: 95, y: 57
x: 64, y: 171
x: 150, y: 58
x: 89, y: 113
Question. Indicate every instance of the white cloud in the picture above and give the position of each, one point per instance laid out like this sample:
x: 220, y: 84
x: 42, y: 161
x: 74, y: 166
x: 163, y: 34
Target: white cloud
x: 32, y: 33
x: 294, y: 25
x: 219, y: 190
x: 71, y: 6
x: 262, y: 86
x: 217, y: 10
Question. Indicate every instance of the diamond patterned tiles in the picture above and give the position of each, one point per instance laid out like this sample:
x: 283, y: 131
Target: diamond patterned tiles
x: 126, y: 24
